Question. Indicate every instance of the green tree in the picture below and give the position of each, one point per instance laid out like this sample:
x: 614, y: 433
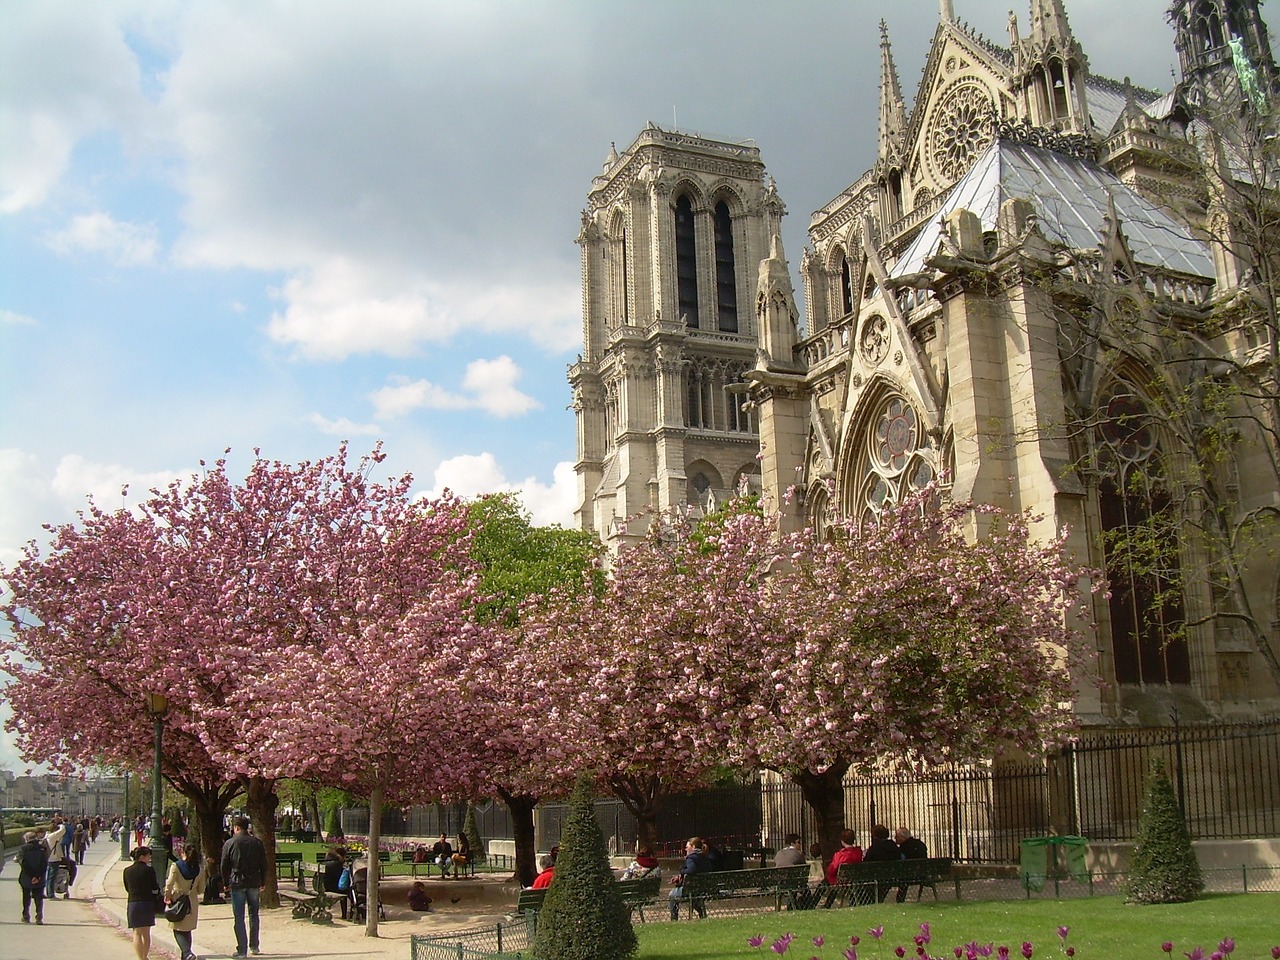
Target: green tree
x: 520, y: 561
x: 1164, y: 868
x: 519, y: 564
x: 583, y: 917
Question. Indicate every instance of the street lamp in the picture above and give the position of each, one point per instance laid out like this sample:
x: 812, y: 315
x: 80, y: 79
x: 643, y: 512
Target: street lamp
x: 126, y: 824
x: 158, y: 706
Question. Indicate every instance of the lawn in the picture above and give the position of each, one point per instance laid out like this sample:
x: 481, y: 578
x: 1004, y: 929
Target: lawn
x: 1099, y: 927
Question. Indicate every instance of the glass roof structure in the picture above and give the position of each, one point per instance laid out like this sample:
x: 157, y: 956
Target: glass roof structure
x: 1070, y: 195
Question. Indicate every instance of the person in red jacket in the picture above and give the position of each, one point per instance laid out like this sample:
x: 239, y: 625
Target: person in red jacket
x: 544, y: 878
x: 849, y: 852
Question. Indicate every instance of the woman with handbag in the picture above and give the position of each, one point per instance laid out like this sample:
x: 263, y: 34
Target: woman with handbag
x: 186, y: 881
x: 143, y: 892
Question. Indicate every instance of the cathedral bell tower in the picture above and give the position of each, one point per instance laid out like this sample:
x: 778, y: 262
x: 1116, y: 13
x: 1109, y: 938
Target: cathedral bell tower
x: 1224, y: 54
x: 1050, y: 69
x: 672, y: 238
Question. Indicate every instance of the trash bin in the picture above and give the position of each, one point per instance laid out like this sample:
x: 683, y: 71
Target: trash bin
x: 1057, y: 857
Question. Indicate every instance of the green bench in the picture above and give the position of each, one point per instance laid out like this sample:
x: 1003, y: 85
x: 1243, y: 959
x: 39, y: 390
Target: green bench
x: 869, y: 882
x: 531, y: 900
x: 288, y: 866
x: 782, y: 883
x: 636, y: 895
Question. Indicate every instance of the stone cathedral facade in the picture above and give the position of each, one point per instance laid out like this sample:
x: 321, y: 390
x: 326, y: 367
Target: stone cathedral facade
x: 981, y: 308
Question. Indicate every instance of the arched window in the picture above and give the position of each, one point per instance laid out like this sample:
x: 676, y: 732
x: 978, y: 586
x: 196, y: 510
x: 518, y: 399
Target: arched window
x: 846, y: 286
x: 1140, y: 544
x: 1206, y: 25
x: 896, y: 461
x: 686, y: 262
x: 726, y: 282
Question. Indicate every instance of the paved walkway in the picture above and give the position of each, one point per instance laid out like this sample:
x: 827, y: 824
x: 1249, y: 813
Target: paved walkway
x: 92, y: 924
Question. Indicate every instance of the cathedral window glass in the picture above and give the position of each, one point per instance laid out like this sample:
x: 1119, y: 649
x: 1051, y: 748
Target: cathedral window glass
x: 726, y: 281
x: 1140, y: 545
x: 846, y: 286
x: 897, y: 461
x: 686, y: 262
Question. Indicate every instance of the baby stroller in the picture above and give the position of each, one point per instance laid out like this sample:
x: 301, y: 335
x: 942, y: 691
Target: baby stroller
x: 62, y: 881
x: 360, y: 898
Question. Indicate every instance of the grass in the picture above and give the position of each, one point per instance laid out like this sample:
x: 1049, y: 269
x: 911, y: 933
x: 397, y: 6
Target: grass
x: 1100, y: 927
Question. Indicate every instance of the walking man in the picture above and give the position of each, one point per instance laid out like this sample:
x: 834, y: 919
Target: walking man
x: 33, y: 861
x: 244, y: 868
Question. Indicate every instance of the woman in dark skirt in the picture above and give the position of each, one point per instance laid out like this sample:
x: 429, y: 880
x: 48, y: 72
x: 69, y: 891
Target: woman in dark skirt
x: 143, y: 891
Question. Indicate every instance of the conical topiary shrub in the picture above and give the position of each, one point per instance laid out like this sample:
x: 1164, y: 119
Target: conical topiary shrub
x: 472, y: 833
x: 1164, y: 868
x: 583, y: 917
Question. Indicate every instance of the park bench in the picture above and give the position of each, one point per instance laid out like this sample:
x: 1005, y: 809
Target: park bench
x: 530, y: 901
x: 868, y: 882
x: 782, y: 883
x: 636, y: 895
x: 288, y: 866
x: 315, y: 907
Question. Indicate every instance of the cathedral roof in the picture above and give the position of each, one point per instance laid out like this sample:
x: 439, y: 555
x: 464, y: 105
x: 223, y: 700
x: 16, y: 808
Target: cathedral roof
x: 1071, y: 197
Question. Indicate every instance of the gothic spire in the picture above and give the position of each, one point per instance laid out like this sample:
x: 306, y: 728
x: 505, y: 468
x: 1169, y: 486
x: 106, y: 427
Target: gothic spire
x: 893, y: 112
x: 1049, y: 24
x: 947, y: 11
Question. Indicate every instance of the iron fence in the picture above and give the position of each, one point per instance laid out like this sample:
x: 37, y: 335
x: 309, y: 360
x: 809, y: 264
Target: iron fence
x: 510, y: 937
x: 1227, y: 777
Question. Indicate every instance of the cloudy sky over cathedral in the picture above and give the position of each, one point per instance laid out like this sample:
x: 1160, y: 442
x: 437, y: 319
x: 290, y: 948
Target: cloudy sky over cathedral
x: 280, y: 225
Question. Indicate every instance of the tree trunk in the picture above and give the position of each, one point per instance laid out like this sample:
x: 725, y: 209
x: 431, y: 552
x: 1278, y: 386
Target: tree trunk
x: 209, y: 804
x: 316, y: 823
x: 521, y: 806
x: 261, y: 801
x: 644, y: 797
x: 824, y: 793
x: 375, y: 865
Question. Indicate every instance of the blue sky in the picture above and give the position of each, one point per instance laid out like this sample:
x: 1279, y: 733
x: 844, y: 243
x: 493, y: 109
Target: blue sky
x: 279, y: 225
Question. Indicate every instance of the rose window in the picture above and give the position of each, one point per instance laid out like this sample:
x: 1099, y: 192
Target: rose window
x: 896, y: 463
x: 895, y: 435
x: 961, y: 130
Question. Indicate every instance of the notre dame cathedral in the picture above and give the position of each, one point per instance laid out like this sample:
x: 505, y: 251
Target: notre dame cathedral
x: 1039, y: 296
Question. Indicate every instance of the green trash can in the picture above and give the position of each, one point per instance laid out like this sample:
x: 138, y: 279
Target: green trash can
x: 1058, y: 858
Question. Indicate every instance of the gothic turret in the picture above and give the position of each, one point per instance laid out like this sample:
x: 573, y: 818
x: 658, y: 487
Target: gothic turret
x: 893, y: 125
x: 1223, y: 53
x: 893, y: 111
x: 1050, y: 69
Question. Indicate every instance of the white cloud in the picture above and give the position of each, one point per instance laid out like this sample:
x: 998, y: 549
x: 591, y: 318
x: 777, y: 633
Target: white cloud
x: 124, y: 244
x: 477, y: 475
x: 69, y: 73
x: 489, y: 385
x: 16, y: 319
x: 493, y: 382
x: 344, y: 427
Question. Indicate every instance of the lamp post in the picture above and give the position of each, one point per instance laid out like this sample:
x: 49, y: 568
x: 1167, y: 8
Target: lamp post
x: 158, y: 706
x: 126, y: 823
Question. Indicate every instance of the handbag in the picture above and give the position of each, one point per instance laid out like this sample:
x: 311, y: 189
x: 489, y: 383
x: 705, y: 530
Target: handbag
x: 344, y: 879
x: 178, y: 910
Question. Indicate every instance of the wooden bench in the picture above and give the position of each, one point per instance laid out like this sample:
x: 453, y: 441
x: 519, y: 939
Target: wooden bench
x: 870, y: 882
x: 288, y: 866
x: 782, y: 883
x: 315, y: 907
x: 636, y: 895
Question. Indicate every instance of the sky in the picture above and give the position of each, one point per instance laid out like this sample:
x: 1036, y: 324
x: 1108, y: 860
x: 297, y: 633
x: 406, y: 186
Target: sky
x: 276, y: 225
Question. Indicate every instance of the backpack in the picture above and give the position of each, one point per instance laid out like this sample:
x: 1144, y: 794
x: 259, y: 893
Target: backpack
x: 344, y: 879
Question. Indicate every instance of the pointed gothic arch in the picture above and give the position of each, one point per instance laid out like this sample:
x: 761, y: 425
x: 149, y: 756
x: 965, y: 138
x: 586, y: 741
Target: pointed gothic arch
x: 1140, y: 537
x: 888, y: 455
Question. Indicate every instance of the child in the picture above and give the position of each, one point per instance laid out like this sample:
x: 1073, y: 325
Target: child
x: 418, y: 899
